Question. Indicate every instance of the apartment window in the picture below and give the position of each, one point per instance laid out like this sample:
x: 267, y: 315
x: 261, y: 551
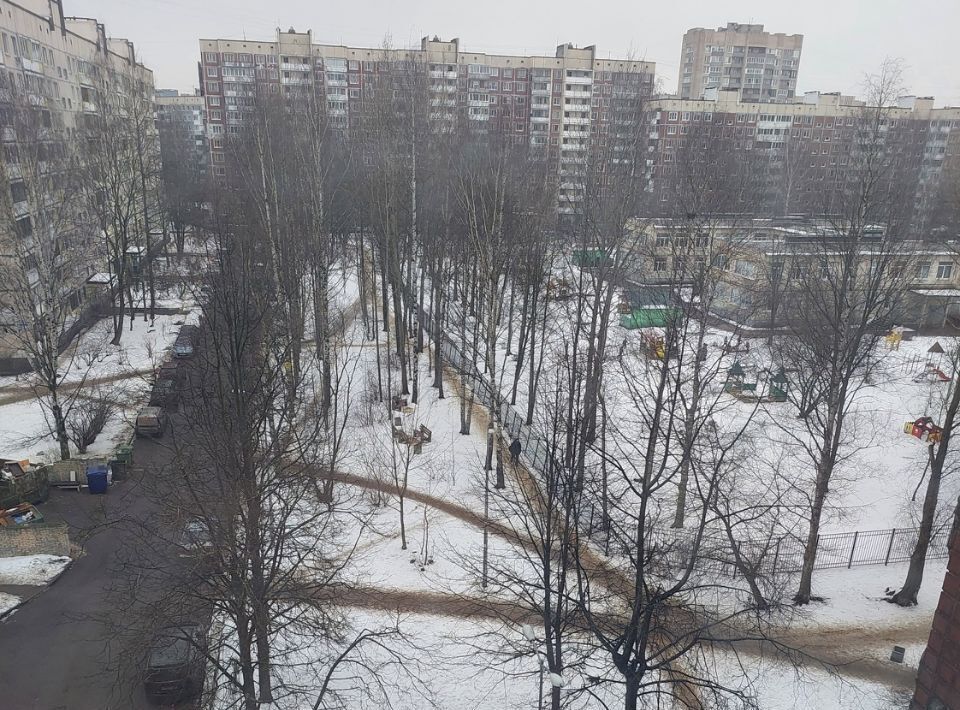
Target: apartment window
x: 659, y: 265
x: 508, y: 86
x: 212, y: 72
x: 672, y: 116
x: 353, y: 66
x: 663, y: 239
x: 708, y: 116
x: 207, y: 56
x: 18, y: 191
x: 215, y: 115
x: 508, y: 73
x: 671, y: 130
x: 213, y: 87
x: 944, y: 269
x: 685, y: 116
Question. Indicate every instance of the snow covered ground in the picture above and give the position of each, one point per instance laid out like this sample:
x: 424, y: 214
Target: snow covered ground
x: 121, y: 373
x: 7, y: 602
x: 31, y: 570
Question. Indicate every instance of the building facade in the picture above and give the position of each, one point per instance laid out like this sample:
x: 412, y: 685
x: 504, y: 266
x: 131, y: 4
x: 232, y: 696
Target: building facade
x: 802, y: 148
x: 182, y: 127
x: 557, y: 102
x: 938, y: 680
x: 62, y: 70
x: 761, y: 66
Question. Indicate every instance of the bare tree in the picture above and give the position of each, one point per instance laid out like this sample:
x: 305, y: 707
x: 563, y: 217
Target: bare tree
x: 845, y: 296
x: 937, y: 451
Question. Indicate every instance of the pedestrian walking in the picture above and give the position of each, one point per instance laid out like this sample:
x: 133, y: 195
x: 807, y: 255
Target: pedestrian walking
x: 515, y: 450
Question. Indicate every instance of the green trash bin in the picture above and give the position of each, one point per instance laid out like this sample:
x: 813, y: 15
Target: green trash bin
x: 124, y: 453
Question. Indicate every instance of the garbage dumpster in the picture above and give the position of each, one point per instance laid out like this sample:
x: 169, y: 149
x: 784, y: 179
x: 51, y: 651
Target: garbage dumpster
x: 125, y: 454
x: 118, y: 467
x: 97, y: 478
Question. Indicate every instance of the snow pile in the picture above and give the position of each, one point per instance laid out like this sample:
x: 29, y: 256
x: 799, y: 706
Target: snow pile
x: 7, y: 602
x: 31, y: 570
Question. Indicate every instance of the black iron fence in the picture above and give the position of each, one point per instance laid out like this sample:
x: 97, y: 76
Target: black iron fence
x: 770, y: 556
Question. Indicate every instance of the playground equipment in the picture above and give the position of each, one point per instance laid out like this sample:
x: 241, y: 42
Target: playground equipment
x: 923, y: 429
x: 590, y: 258
x: 559, y: 288
x: 736, y: 385
x: 931, y: 373
x: 894, y: 338
x: 653, y: 345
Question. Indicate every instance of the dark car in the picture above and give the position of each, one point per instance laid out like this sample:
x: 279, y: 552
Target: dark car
x: 175, y: 666
x: 183, y: 346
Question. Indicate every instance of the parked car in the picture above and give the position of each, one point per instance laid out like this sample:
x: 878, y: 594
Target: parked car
x: 165, y: 394
x: 195, y: 538
x: 183, y: 346
x: 151, y: 421
x: 175, y: 666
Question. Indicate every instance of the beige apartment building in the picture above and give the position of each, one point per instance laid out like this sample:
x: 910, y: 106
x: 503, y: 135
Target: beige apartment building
x: 555, y: 102
x: 761, y: 66
x: 806, y: 143
x: 66, y: 67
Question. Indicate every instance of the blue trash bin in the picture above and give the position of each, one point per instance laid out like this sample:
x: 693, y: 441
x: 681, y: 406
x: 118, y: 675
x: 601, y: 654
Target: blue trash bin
x: 97, y: 479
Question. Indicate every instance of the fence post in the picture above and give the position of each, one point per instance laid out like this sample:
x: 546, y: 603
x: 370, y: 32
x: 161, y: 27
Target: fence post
x: 853, y: 548
x: 776, y: 556
x: 886, y: 561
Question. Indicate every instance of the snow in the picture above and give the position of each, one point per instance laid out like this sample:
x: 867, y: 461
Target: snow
x: 31, y: 570
x: 7, y: 602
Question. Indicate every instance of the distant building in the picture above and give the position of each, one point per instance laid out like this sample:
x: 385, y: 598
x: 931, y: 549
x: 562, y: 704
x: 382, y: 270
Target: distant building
x: 938, y: 680
x: 762, y: 67
x: 181, y: 123
x: 803, y: 146
x: 554, y: 102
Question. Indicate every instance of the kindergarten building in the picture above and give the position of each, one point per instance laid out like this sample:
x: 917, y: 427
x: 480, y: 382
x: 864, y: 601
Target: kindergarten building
x: 759, y: 263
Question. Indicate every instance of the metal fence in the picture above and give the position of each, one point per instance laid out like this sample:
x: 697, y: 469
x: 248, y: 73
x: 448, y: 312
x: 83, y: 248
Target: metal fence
x: 774, y: 556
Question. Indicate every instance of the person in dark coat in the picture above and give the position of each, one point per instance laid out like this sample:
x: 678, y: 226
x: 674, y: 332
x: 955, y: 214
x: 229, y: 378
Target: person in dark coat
x: 515, y: 450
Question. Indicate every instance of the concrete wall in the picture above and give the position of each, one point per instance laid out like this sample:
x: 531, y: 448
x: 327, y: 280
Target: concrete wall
x: 938, y: 682
x: 34, y: 539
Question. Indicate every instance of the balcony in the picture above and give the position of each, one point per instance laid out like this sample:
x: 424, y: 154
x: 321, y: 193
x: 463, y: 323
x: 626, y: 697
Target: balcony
x: 89, y: 106
x: 294, y: 66
x: 578, y: 80
x: 294, y: 81
x: 31, y: 65
x: 443, y: 75
x: 586, y: 108
x: 576, y: 94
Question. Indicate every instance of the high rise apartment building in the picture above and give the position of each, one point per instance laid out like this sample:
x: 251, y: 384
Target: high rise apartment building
x: 181, y: 124
x: 804, y: 146
x: 761, y: 66
x: 556, y: 102
x: 64, y: 69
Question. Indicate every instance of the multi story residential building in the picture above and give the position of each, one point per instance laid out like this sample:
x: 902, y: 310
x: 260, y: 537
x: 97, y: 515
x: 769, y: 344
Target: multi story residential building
x: 758, y: 264
x: 802, y: 148
x: 762, y: 67
x: 62, y: 70
x: 554, y: 102
x: 182, y: 127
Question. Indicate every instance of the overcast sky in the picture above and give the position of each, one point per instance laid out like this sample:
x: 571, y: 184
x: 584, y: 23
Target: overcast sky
x: 843, y: 39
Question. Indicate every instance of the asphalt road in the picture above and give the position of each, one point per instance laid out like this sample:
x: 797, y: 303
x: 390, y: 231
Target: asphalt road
x: 61, y: 651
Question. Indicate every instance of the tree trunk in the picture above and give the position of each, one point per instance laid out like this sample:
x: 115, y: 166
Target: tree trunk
x: 60, y: 424
x: 803, y: 595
